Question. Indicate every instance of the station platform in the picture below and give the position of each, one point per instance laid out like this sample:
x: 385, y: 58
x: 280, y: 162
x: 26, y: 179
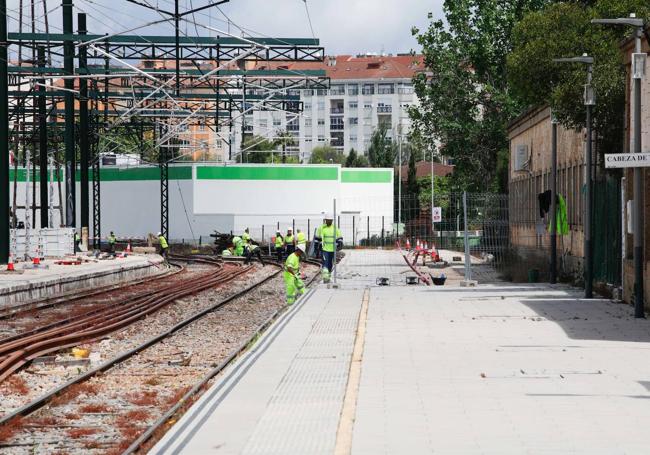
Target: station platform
x: 495, y: 369
x: 53, y: 279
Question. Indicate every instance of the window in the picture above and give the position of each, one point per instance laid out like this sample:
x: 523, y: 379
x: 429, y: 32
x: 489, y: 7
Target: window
x: 307, y: 106
x: 321, y: 138
x: 321, y: 92
x: 385, y: 89
x: 277, y: 122
x: 293, y: 125
x: 353, y: 89
x: 336, y: 123
x: 368, y: 89
x: 405, y: 89
x: 384, y: 108
x: 367, y: 105
x: 293, y: 92
x: 337, y: 90
x: 354, y: 120
x: 263, y: 123
x: 308, y: 139
x: 307, y: 92
x: 308, y: 122
x: 353, y: 138
x: 321, y: 121
x: 321, y: 105
x: 353, y: 105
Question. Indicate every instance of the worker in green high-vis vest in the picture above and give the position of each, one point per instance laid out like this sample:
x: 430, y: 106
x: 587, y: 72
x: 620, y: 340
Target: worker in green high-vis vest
x: 293, y: 282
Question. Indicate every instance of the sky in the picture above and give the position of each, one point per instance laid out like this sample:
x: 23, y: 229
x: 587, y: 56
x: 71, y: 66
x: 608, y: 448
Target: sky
x: 344, y: 26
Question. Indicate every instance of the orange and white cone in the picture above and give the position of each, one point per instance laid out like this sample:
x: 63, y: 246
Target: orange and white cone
x: 10, y: 264
x: 128, y: 247
x: 408, y: 244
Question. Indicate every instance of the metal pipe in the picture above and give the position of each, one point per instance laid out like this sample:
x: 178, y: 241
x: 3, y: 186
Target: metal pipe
x: 4, y: 137
x: 588, y: 244
x: 639, y: 311
x: 553, y: 267
x: 468, y: 266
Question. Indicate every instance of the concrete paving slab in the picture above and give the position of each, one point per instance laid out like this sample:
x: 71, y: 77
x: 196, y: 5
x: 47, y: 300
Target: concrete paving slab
x: 501, y: 369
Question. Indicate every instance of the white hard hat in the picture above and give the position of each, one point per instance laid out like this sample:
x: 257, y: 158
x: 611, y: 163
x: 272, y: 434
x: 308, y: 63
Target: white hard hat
x: 300, y: 247
x: 289, y: 229
x: 327, y: 216
x: 160, y: 233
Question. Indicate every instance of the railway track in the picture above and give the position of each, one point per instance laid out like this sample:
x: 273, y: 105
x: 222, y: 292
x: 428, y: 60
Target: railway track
x: 18, y: 350
x: 151, y: 431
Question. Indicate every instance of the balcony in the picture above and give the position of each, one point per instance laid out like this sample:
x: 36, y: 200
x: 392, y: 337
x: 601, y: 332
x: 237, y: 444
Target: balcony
x: 337, y: 111
x: 384, y: 109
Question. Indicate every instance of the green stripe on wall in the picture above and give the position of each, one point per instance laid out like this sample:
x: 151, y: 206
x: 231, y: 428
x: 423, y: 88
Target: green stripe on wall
x: 266, y: 173
x: 382, y: 176
x: 121, y: 174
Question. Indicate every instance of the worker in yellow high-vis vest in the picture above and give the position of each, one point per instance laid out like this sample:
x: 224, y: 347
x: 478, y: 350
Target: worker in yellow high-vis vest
x: 293, y: 282
x: 279, y: 245
x: 164, y: 246
x: 328, y: 240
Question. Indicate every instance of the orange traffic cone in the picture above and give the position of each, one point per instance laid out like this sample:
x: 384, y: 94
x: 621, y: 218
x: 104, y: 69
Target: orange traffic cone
x: 128, y: 247
x: 408, y: 244
x: 10, y: 264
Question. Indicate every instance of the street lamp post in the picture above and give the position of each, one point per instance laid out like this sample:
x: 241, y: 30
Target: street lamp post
x: 638, y: 67
x: 589, y: 102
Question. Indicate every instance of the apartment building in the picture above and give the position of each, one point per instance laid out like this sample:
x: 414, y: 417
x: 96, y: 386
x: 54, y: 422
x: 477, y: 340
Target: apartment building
x: 365, y: 92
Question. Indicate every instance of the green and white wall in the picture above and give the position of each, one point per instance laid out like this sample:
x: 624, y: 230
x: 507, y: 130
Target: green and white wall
x: 204, y: 198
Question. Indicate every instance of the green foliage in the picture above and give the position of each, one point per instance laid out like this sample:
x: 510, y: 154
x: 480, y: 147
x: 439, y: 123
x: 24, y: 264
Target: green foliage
x: 325, y: 154
x: 257, y: 149
x: 465, y: 99
x: 441, y: 186
x: 412, y: 187
x: 381, y: 151
x: 565, y: 30
x: 355, y: 160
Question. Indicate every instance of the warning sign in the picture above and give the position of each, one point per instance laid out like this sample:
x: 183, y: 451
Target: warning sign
x: 437, y: 214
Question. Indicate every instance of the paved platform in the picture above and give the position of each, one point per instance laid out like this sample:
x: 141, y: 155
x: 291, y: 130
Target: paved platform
x: 55, y: 279
x: 496, y: 369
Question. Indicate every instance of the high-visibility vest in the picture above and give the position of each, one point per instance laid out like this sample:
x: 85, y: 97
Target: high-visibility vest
x: 239, y: 246
x: 163, y: 242
x: 328, y: 237
x: 279, y: 241
x: 301, y: 238
x: 226, y: 252
x: 112, y: 239
x: 289, y: 239
x: 246, y: 238
x: 292, y: 264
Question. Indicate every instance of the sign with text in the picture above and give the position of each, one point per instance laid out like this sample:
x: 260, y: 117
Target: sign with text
x: 620, y: 160
x: 437, y: 214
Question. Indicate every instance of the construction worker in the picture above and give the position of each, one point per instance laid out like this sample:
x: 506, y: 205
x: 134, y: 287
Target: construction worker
x: 251, y: 250
x: 164, y: 246
x: 246, y: 237
x: 301, y: 239
x: 77, y: 242
x: 279, y: 245
x: 292, y: 280
x: 229, y: 251
x: 290, y: 242
x: 239, y: 245
x: 111, y: 242
x: 328, y: 240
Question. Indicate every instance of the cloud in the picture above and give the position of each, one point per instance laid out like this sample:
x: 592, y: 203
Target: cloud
x: 344, y: 26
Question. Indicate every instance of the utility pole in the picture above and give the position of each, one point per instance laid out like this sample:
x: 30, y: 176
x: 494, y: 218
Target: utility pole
x: 42, y: 134
x: 70, y: 153
x: 84, y: 146
x: 638, y: 68
x: 553, y: 268
x: 4, y: 138
x: 589, y: 102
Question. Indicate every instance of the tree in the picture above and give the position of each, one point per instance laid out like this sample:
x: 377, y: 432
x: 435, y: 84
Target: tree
x: 381, y: 151
x: 465, y: 101
x: 565, y: 30
x: 326, y: 154
x: 257, y: 149
x: 355, y: 160
x: 284, y: 139
x: 411, y: 179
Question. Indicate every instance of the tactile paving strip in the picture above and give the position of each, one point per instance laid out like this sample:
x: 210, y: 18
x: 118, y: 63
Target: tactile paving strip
x: 303, y: 414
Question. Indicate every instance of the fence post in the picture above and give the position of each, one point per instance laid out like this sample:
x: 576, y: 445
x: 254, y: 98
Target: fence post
x: 354, y: 233
x: 293, y: 226
x: 468, y: 264
x: 308, y: 230
x: 368, y: 230
x: 335, y: 228
x: 262, y: 241
x: 383, y: 238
